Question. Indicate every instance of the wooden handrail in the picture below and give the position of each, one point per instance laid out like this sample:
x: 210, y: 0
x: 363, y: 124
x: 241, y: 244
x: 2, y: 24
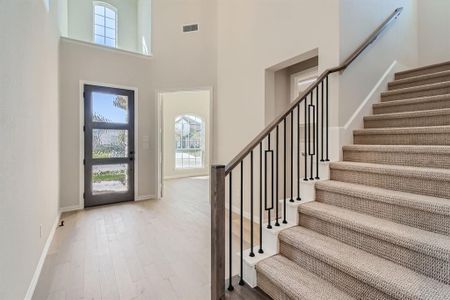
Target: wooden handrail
x: 261, y: 136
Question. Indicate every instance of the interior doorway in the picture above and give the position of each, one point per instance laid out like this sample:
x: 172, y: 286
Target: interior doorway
x: 108, y: 145
x: 185, y: 134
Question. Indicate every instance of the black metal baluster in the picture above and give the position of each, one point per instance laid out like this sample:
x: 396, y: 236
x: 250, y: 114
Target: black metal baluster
x: 311, y: 152
x: 241, y: 281
x: 230, y: 232
x: 260, y: 199
x: 306, y: 137
x: 316, y: 140
x: 284, y: 171
x: 321, y: 122
x: 292, y: 158
x: 252, y: 254
x: 277, y: 223
x: 269, y: 225
x: 298, y: 153
x: 284, y: 161
x: 326, y: 129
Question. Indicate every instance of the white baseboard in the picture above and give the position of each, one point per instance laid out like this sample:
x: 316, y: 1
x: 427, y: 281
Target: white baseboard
x: 145, y: 197
x: 201, y: 174
x: 37, y: 272
x: 70, y: 208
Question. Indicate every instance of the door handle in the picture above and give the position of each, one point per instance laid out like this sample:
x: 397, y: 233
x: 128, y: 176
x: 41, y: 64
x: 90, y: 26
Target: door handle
x: 131, y: 155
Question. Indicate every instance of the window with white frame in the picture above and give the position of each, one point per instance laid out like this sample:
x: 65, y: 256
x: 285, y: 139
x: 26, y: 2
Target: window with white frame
x: 189, y: 142
x: 105, y: 24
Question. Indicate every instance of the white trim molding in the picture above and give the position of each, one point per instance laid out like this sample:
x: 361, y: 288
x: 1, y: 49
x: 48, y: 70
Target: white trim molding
x: 144, y: 197
x: 38, y: 270
x: 70, y: 208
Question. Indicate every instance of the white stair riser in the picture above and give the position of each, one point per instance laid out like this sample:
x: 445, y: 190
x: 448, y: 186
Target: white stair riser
x: 270, y: 247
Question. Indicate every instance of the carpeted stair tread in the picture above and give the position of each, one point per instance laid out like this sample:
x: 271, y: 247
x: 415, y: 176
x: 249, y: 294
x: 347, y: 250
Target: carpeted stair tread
x: 425, y: 203
x: 431, y: 89
x: 421, y: 135
x: 409, y: 114
x: 432, y: 149
x: 419, y: 80
x: 428, y: 156
x: 422, y: 181
x: 419, y: 211
x: 402, y: 130
x: 428, y: 118
x: 413, y: 104
x: 429, y: 69
x: 422, y: 241
x: 295, y: 281
x: 406, y: 171
x: 424, y: 135
x: 390, y: 278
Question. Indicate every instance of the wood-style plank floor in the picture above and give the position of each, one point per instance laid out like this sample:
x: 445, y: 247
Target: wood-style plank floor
x: 155, y: 249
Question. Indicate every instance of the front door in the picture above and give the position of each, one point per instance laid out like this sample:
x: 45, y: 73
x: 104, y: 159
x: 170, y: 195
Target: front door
x: 108, y: 145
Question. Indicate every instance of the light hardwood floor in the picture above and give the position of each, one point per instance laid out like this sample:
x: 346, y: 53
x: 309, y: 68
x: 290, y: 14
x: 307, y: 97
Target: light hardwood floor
x: 156, y: 249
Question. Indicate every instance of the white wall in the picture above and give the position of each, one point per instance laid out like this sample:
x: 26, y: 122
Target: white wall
x: 80, y: 24
x: 434, y: 31
x: 254, y: 35
x: 358, y: 19
x: 29, y: 181
x: 180, y: 61
x: 175, y: 104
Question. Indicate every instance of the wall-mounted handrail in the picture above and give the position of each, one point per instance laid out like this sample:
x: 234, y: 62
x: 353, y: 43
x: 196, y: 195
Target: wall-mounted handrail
x: 255, y: 142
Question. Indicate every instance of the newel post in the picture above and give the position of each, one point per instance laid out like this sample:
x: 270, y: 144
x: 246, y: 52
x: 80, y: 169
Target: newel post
x: 217, y: 182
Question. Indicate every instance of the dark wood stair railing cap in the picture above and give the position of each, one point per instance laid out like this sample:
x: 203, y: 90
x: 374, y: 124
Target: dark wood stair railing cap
x: 260, y: 137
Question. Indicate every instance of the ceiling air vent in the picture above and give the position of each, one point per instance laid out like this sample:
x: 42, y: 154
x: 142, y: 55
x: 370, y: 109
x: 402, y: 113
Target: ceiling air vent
x: 189, y: 28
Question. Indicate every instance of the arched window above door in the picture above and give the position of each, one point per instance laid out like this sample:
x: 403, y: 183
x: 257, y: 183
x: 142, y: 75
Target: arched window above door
x: 105, y: 24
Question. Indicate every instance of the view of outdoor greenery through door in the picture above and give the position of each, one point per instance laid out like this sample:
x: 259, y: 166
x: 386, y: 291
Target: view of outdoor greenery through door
x: 108, y: 143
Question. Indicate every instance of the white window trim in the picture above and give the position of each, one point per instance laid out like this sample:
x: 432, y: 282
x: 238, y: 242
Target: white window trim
x: 105, y: 4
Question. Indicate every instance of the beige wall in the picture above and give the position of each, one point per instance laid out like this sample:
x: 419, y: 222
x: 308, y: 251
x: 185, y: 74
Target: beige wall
x: 80, y: 22
x: 434, y: 31
x: 358, y: 19
x: 29, y: 181
x: 175, y: 104
x: 253, y: 36
x: 180, y: 61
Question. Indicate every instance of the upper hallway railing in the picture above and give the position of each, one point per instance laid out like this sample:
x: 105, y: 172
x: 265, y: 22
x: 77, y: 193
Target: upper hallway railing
x: 299, y: 154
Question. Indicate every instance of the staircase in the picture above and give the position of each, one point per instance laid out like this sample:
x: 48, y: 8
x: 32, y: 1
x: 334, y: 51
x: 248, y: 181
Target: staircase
x: 380, y: 227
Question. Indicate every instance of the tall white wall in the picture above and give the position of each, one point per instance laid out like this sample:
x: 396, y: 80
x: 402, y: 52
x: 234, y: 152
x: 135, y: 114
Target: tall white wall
x: 180, y: 61
x: 29, y: 181
x: 358, y: 19
x: 175, y: 104
x: 434, y: 31
x: 254, y: 35
x: 81, y: 21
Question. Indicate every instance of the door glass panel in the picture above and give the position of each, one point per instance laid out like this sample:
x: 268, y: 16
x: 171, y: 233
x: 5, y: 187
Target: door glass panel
x: 109, y: 143
x: 109, y: 108
x: 109, y: 178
